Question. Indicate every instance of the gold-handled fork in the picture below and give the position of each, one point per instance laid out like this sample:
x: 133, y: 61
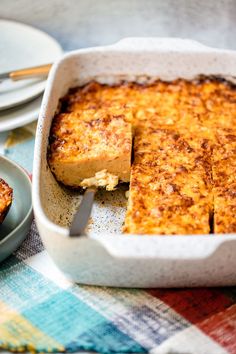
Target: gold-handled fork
x: 27, y: 73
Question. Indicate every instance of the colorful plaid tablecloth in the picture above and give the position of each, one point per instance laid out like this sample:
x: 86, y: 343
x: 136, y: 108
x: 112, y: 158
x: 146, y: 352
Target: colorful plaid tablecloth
x: 42, y: 311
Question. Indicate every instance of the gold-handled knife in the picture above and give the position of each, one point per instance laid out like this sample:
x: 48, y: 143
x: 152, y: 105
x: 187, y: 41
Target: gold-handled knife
x: 27, y: 73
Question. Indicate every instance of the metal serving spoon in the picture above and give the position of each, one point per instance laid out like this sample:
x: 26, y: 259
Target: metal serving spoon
x: 81, y: 218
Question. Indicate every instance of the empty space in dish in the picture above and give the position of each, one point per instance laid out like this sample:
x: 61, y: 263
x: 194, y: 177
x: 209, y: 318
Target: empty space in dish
x: 108, y: 211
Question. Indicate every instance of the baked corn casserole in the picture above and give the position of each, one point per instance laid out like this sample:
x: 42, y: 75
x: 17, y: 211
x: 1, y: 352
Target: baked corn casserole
x: 5, y: 199
x: 183, y: 173
x: 91, y: 147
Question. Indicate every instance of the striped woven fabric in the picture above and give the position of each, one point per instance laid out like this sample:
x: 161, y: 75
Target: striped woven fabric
x: 42, y: 311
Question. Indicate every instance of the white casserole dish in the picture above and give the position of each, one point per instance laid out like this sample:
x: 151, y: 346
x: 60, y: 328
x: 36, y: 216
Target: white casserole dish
x: 105, y: 256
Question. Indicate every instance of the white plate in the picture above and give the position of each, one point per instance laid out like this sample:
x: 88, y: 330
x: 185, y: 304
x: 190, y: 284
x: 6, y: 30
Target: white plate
x: 22, y: 46
x: 21, y: 115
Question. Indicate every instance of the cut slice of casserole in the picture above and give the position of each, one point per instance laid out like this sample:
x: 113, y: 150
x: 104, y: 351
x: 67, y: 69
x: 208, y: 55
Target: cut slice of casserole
x: 6, y: 194
x: 91, y: 146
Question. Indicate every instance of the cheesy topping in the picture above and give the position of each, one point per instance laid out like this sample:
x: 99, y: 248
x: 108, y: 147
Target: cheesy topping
x: 101, y: 179
x: 183, y: 175
x: 5, y: 199
x: 85, y: 142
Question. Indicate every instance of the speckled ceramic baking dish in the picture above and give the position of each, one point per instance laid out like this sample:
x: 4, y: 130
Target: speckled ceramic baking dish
x: 105, y: 256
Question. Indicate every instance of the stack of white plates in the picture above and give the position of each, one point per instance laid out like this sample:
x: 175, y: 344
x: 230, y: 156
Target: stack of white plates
x: 22, y: 46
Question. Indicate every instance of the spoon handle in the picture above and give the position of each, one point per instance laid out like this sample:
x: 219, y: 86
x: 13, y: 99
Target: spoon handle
x: 82, y: 215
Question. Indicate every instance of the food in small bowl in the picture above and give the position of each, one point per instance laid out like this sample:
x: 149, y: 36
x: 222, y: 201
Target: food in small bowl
x: 6, y: 195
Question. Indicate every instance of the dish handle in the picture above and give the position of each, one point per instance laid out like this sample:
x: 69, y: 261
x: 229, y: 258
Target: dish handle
x: 165, y: 44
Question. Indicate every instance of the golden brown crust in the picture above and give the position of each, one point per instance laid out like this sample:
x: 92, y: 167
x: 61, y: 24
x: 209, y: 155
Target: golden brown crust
x: 170, y: 188
x: 6, y: 194
x: 224, y: 176
x: 88, y: 141
x: 184, y: 151
x: 88, y: 133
